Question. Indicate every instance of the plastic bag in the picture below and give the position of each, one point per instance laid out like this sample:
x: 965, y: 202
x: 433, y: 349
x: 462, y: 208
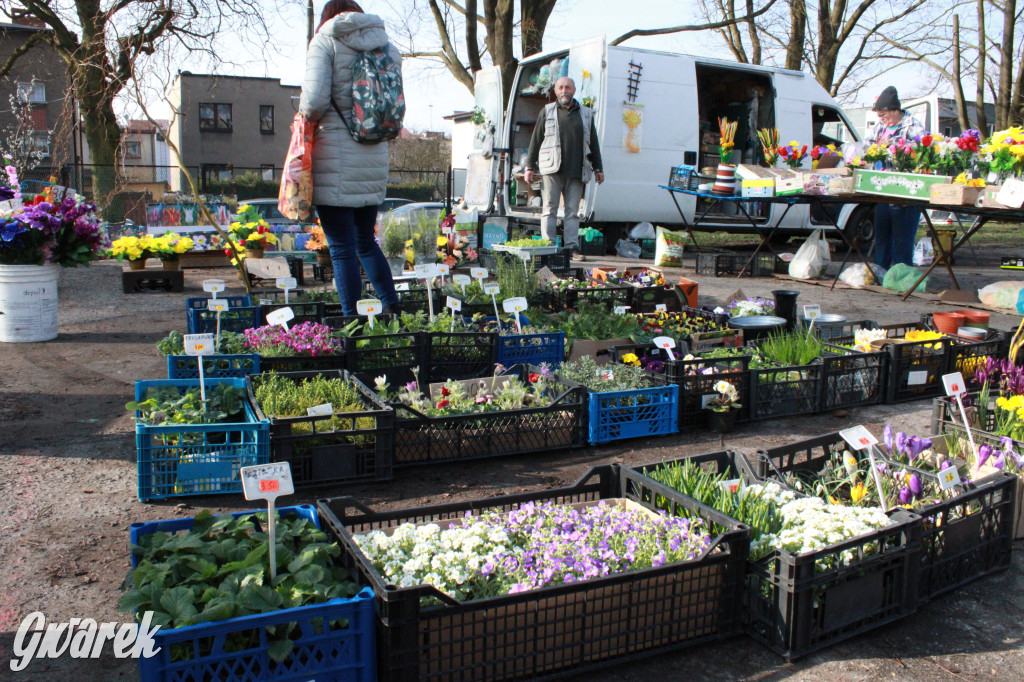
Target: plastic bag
x: 1004, y: 295
x: 811, y: 258
x: 668, y: 251
x: 296, y: 195
x: 627, y: 249
x: 924, y: 252
x: 861, y: 275
x: 902, y: 276
x: 643, y: 230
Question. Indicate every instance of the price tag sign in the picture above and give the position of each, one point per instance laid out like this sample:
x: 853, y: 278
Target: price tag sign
x: 667, y: 343
x: 917, y: 378
x: 492, y: 289
x: 324, y: 410
x: 218, y: 305
x: 286, y: 283
x: 948, y: 478
x: 454, y: 303
x: 812, y: 312
x: 954, y: 384
x: 516, y: 304
x: 732, y: 485
x: 402, y: 286
x: 661, y: 308
x: 266, y: 301
x: 525, y: 255
x: 198, y: 344
x: 213, y: 286
x: 281, y: 316
x: 621, y: 309
x: 268, y: 482
x: 443, y: 270
x: 478, y: 273
x: 605, y: 374
x: 425, y: 270
x: 447, y: 229
x: 462, y: 281
x: 370, y: 307
x: 858, y: 437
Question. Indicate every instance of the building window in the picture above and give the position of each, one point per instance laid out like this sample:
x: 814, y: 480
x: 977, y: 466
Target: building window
x: 947, y: 131
x: 38, y: 143
x: 267, y: 172
x: 133, y: 149
x: 34, y: 93
x: 266, y: 119
x: 214, y: 117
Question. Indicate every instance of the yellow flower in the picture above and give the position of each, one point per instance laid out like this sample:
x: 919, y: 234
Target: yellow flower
x: 630, y: 359
x: 858, y: 492
x: 833, y: 500
x: 586, y: 74
x: 442, y: 241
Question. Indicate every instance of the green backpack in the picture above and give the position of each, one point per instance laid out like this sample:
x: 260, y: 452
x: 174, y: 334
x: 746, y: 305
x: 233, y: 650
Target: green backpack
x: 378, y: 100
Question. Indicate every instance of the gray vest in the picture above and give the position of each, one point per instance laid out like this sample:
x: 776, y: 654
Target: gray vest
x: 549, y: 157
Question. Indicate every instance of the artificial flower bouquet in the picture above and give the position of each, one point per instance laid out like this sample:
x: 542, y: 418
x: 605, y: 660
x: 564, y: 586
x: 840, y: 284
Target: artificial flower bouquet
x: 40, y: 230
x: 170, y: 246
x: 133, y: 247
x: 793, y: 154
x: 317, y: 242
x: 249, y: 230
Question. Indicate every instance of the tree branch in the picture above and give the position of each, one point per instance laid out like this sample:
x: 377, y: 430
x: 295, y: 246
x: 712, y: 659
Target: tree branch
x: 21, y: 50
x: 688, y: 28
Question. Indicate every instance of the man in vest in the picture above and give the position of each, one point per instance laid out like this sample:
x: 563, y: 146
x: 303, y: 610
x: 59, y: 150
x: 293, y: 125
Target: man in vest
x: 565, y: 150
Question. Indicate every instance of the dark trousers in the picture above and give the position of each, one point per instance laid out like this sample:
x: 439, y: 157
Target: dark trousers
x: 350, y: 234
x: 895, y: 229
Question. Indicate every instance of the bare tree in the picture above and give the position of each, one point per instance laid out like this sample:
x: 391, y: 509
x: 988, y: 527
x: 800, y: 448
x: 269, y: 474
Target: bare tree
x: 106, y: 44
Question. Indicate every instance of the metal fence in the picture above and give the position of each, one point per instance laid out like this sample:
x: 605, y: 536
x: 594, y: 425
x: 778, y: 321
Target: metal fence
x: 130, y: 187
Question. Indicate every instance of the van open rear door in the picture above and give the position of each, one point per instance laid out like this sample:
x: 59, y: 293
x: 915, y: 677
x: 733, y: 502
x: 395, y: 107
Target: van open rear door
x: 484, y: 170
x: 587, y: 64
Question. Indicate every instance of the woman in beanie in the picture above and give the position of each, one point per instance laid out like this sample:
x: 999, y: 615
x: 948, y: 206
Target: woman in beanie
x: 349, y: 178
x: 895, y: 226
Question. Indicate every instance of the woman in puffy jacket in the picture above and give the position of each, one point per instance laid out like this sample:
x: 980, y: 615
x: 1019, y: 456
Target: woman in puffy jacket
x: 349, y: 178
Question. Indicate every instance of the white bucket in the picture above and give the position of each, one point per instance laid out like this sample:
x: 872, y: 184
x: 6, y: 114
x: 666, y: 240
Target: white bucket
x: 28, y: 303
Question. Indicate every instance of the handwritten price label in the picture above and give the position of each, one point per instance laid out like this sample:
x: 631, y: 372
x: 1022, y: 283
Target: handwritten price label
x: 286, y: 283
x: 425, y: 270
x: 369, y: 306
x: 454, y: 303
x: 665, y: 342
x: 621, y: 309
x: 954, y: 383
x: 280, y: 316
x: 812, y: 312
x: 213, y: 285
x: 218, y: 305
x: 492, y: 289
x: 858, y: 437
x: 270, y: 486
x: 462, y: 280
x: 478, y: 273
x: 443, y: 270
x: 198, y: 344
x: 267, y: 481
x: 324, y: 410
x: 949, y: 478
x: 516, y: 304
x: 660, y: 308
x: 402, y: 286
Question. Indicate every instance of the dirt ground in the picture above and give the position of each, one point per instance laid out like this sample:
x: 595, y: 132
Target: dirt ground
x: 68, y: 488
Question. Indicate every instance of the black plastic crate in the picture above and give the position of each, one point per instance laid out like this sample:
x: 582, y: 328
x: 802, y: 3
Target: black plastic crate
x: 553, y: 261
x: 594, y: 247
x: 302, y: 363
x: 647, y: 299
x: 852, y: 378
x: 731, y: 463
x: 838, y: 330
x: 390, y: 355
x: 457, y: 355
x: 963, y: 538
x: 647, y: 248
x: 687, y: 177
x: 234, y: 320
x: 915, y: 367
x: 361, y: 449
x: 965, y: 356
x: 420, y: 439
x: 310, y: 311
x: 296, y: 266
x: 604, y: 295
x: 783, y: 391
x: 546, y: 632
x: 717, y: 264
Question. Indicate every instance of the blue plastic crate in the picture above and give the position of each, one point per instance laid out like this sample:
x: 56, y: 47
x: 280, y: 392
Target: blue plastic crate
x: 200, y: 302
x: 203, y: 321
x: 531, y: 349
x: 200, y: 459
x: 338, y: 640
x: 614, y: 415
x: 217, y: 366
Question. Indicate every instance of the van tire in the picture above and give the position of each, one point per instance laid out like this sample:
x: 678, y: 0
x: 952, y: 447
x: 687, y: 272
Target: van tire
x: 861, y: 226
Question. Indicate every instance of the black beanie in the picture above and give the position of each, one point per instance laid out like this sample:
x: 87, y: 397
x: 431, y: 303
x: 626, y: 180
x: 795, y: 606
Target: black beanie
x: 889, y: 100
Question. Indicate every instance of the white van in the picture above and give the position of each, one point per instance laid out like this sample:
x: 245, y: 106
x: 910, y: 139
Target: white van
x: 679, y: 99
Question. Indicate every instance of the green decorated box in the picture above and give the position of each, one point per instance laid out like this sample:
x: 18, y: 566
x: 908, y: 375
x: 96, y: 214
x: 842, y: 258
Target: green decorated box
x: 893, y: 184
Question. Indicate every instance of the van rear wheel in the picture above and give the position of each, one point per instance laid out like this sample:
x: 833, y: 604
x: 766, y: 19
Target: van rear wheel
x: 861, y: 226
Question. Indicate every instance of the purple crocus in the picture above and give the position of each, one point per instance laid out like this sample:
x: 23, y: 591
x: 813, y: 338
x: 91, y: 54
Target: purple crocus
x: 901, y: 442
x: 984, y: 452
x: 887, y: 437
x: 915, y: 485
x: 905, y: 496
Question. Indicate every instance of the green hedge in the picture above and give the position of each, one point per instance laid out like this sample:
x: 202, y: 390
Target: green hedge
x: 414, y: 191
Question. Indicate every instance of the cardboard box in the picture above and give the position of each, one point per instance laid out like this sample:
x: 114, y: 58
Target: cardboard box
x: 988, y: 197
x: 757, y: 188
x: 595, y: 349
x: 828, y: 181
x: 745, y: 171
x: 787, y: 181
x: 893, y: 184
x: 955, y: 195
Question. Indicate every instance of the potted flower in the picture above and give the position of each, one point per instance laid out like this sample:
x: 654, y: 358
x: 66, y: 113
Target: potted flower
x: 251, y: 232
x: 394, y: 243
x: 134, y: 249
x: 724, y: 407
x: 37, y: 235
x: 169, y: 248
x: 317, y: 243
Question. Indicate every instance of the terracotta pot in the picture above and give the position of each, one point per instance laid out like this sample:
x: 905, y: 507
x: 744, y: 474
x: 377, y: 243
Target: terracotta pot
x: 323, y: 258
x: 253, y: 253
x: 975, y: 318
x: 171, y: 264
x: 948, y: 323
x: 137, y: 264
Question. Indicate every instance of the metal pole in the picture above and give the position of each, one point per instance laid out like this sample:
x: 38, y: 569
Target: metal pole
x: 309, y: 22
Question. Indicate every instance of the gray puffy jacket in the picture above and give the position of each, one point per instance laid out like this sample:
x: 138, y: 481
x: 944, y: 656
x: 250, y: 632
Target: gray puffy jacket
x: 345, y: 172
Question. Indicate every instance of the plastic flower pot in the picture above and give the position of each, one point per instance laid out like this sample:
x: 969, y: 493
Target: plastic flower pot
x: 948, y: 323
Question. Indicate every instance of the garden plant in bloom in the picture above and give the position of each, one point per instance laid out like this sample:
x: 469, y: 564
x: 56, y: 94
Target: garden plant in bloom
x: 307, y: 338
x: 492, y: 394
x: 537, y: 545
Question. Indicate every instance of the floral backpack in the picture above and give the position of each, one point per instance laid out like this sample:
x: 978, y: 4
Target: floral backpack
x: 378, y: 100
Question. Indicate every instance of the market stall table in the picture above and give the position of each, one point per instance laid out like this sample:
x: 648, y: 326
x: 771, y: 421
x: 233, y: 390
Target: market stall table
x: 767, y: 231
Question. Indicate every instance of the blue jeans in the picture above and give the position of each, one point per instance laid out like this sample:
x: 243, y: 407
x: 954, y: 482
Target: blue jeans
x: 895, y: 229
x: 349, y: 233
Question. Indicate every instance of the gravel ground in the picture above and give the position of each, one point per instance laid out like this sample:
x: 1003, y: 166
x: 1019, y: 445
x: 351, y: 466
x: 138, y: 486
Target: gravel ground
x: 67, y: 488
